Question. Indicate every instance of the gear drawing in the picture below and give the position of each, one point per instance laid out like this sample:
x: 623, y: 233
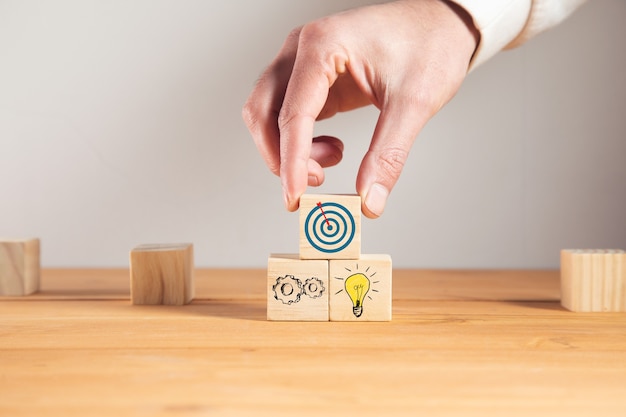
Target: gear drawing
x: 287, y: 289
x: 314, y: 287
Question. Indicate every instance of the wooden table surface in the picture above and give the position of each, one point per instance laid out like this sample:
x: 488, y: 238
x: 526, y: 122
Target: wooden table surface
x: 463, y: 343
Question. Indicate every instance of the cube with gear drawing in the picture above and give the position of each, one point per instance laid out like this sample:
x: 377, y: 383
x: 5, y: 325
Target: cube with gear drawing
x: 297, y: 289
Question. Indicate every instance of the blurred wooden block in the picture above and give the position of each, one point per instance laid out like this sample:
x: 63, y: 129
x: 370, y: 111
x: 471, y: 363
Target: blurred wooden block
x: 593, y: 280
x: 297, y: 289
x: 360, y: 289
x: 19, y: 266
x: 162, y: 274
x: 330, y: 226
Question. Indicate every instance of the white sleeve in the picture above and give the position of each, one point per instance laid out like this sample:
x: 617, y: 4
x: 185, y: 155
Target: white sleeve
x: 543, y: 15
x: 508, y: 23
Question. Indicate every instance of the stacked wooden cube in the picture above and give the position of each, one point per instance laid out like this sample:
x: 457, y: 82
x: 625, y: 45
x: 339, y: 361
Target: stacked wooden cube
x: 329, y: 279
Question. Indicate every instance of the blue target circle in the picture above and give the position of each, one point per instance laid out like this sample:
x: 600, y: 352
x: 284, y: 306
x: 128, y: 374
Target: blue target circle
x: 331, y: 239
x: 329, y: 227
x: 332, y: 228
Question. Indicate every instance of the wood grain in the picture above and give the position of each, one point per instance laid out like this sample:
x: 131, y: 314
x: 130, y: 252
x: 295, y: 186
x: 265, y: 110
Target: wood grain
x: 593, y: 280
x: 19, y: 266
x: 477, y: 347
x: 246, y: 284
x: 162, y: 274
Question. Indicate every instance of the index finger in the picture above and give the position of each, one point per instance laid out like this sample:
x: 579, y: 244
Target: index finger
x: 260, y: 112
x: 314, y: 72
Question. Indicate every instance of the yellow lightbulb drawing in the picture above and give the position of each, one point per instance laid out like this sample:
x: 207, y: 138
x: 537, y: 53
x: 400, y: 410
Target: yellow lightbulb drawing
x: 357, y: 286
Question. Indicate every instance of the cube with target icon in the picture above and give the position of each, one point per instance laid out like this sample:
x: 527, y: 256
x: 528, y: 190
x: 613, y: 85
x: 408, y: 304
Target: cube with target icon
x: 330, y: 226
x: 297, y: 289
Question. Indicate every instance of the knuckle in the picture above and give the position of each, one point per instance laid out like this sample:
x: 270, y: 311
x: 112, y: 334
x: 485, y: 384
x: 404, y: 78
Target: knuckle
x: 426, y: 98
x: 254, y: 121
x: 249, y: 115
x: 419, y: 97
x: 274, y: 167
x: 288, y: 116
x: 294, y: 35
x: 391, y: 162
x: 314, y: 31
x: 323, y: 33
x: 285, y: 117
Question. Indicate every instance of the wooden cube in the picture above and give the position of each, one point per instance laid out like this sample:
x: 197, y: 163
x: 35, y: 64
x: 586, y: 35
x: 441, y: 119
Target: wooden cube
x: 330, y: 226
x: 593, y: 280
x: 297, y: 289
x: 162, y: 274
x: 360, y: 289
x: 19, y: 266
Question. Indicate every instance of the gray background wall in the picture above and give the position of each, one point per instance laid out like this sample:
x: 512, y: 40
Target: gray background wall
x: 120, y: 124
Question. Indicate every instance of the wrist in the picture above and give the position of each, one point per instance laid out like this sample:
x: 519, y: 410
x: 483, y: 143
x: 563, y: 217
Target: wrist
x: 468, y: 21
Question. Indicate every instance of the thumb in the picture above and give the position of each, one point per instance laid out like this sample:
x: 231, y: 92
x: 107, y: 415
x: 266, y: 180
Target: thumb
x: 397, y: 127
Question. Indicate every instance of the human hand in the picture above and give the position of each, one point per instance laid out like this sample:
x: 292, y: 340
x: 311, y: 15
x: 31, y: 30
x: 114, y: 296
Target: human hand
x: 408, y: 58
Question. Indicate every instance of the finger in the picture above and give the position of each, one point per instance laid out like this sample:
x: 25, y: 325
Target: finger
x: 260, y: 112
x: 397, y: 127
x: 314, y: 71
x: 315, y: 173
x: 327, y: 151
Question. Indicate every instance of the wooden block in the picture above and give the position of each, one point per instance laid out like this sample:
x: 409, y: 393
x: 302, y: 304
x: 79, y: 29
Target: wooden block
x: 162, y: 274
x: 297, y: 289
x: 360, y: 290
x: 593, y: 280
x: 19, y: 266
x: 330, y: 226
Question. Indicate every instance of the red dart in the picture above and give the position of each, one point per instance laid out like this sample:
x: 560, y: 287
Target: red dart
x: 319, y: 204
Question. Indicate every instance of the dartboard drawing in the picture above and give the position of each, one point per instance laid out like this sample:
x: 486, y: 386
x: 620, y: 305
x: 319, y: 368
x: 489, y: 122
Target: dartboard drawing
x: 329, y: 227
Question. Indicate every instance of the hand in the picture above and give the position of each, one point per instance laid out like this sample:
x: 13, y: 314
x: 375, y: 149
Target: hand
x: 408, y: 58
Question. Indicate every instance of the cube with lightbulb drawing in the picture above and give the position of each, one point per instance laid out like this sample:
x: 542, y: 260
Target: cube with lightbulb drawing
x: 360, y: 289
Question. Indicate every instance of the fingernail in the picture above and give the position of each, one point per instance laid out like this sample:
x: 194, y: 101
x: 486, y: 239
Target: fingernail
x: 376, y: 199
x: 313, y: 181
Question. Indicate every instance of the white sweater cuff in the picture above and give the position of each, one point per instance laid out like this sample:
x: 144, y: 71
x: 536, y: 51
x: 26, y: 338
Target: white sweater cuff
x: 498, y: 21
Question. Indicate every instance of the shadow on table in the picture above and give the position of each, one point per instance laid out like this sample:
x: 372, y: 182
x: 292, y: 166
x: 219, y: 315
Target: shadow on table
x: 235, y: 309
x: 538, y: 305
